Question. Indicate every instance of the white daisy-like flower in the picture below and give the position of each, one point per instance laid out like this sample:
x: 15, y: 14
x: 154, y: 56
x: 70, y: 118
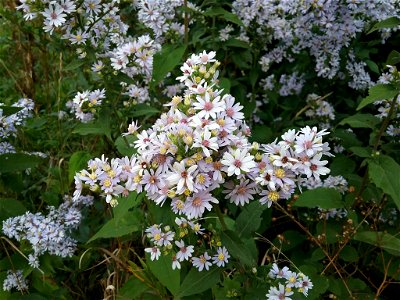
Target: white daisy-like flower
x: 196, y: 205
x: 202, y: 262
x: 237, y: 162
x: 54, y: 15
x: 154, y: 251
x: 185, y: 252
x: 182, y: 177
x: 221, y: 258
x: 208, y: 107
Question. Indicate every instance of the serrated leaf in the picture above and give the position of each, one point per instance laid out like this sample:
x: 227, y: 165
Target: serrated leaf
x: 380, y: 239
x: 387, y: 23
x: 162, y: 269
x: 325, y: 198
x: 12, y: 162
x: 196, y: 282
x: 378, y: 92
x: 383, y: 172
x: 117, y: 227
x: 236, y: 247
x: 166, y: 60
x: 249, y: 219
x: 361, y: 121
x: 77, y: 162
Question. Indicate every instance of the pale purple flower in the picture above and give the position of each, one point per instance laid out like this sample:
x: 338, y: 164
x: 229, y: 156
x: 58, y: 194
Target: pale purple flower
x: 202, y: 262
x: 221, y: 257
x: 238, y: 161
x: 196, y: 204
x: 185, y: 252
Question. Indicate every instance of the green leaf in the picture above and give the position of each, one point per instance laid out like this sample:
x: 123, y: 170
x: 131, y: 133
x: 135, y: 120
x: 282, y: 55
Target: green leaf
x: 349, y: 254
x: 132, y: 289
x: 117, y: 227
x: 387, y: 23
x: 97, y: 128
x: 10, y: 208
x: 77, y: 162
x: 373, y: 66
x: 12, y: 162
x: 361, y: 151
x: 143, y: 110
x: 225, y: 84
x: 126, y: 203
x: 249, y: 219
x: 361, y: 121
x: 162, y: 269
x: 393, y: 58
x: 236, y: 43
x: 166, y: 60
x: 378, y: 92
x: 196, y: 282
x: 236, y: 247
x: 220, y: 12
x: 9, y: 110
x: 380, y: 239
x: 342, y: 165
x: 383, y: 172
x: 123, y: 145
x: 73, y: 65
x: 325, y: 198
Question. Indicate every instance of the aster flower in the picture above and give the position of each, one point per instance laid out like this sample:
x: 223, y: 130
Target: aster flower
x: 208, y: 108
x: 182, y: 177
x: 237, y: 162
x: 196, y: 204
x: 154, y: 251
x: 221, y: 258
x: 185, y: 252
x: 240, y: 193
x: 54, y: 15
x: 202, y: 262
x: 280, y: 293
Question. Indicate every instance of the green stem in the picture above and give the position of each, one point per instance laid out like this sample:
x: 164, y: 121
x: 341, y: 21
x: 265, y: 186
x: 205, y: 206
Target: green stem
x: 221, y: 218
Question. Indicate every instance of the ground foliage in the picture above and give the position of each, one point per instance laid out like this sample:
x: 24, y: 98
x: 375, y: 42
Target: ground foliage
x: 109, y: 69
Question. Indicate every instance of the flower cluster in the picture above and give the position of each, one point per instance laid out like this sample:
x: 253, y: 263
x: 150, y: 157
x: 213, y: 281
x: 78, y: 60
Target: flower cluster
x: 166, y: 241
x: 48, y: 233
x: 9, y: 123
x: 160, y: 17
x: 15, y: 279
x: 95, y: 27
x: 288, y: 282
x: 320, y: 110
x: 384, y: 105
x: 324, y: 29
x: 200, y: 145
x: 85, y: 104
